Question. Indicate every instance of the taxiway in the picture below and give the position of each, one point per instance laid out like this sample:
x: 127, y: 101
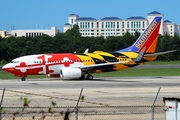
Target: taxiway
x: 109, y: 91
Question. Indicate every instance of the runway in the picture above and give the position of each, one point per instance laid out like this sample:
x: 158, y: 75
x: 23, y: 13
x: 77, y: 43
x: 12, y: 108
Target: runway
x: 109, y: 91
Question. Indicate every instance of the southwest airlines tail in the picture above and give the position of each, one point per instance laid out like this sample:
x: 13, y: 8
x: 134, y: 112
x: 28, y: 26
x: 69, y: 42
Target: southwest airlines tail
x: 147, y: 39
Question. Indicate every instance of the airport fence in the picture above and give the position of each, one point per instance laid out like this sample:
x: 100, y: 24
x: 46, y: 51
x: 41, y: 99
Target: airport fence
x: 84, y: 113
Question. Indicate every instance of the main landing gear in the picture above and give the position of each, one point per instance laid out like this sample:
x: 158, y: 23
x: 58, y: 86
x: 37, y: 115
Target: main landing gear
x: 23, y: 78
x: 88, y: 77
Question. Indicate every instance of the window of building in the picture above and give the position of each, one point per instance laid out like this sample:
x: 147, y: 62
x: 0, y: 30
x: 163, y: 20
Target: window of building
x: 72, y: 21
x: 139, y: 24
x: 131, y: 24
x: 26, y: 34
x: 109, y: 24
x: 127, y: 24
x: 122, y: 24
x: 102, y: 24
x: 134, y: 24
x: 81, y: 25
x: 143, y: 24
x: 92, y: 25
x: 113, y: 24
x: 97, y: 25
x: 88, y: 25
x: 117, y: 24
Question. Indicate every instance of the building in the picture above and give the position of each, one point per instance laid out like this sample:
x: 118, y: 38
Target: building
x: 114, y: 26
x: 34, y: 32
x: 170, y: 28
x: 3, y: 33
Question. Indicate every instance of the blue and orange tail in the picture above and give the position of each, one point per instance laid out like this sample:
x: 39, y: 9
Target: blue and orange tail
x: 147, y: 39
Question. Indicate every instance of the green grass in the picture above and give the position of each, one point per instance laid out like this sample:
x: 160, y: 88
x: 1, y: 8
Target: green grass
x: 142, y: 72
x: 122, y: 73
x: 162, y: 62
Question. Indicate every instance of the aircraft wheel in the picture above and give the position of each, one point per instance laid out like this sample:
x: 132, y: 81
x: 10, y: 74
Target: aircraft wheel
x: 23, y: 78
x: 89, y: 77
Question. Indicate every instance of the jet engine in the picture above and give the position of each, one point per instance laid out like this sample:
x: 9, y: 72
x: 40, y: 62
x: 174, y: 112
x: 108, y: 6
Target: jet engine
x: 69, y: 73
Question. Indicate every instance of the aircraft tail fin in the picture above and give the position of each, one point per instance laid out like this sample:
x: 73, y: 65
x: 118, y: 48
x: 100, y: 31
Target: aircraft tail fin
x: 147, y: 39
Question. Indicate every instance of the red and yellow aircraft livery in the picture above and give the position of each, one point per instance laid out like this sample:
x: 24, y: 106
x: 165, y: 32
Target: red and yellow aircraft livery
x: 70, y: 66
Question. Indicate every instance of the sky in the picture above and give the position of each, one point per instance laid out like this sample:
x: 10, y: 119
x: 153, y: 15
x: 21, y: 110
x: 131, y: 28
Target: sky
x: 43, y: 14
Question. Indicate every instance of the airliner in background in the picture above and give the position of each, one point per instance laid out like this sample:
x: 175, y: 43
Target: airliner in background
x: 82, y: 66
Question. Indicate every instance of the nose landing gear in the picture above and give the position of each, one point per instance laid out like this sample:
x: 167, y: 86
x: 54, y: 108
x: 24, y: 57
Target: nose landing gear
x: 23, y: 78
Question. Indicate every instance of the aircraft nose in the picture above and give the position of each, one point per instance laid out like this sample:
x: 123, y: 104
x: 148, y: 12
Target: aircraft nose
x: 5, y: 67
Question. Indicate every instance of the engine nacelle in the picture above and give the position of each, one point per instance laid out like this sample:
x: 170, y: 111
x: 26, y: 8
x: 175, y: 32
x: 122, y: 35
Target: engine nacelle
x: 69, y: 73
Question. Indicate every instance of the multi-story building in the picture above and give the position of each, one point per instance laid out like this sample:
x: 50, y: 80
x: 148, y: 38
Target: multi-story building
x: 34, y: 32
x: 114, y: 26
x: 171, y: 28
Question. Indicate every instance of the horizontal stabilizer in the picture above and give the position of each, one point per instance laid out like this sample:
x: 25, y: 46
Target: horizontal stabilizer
x: 159, y: 53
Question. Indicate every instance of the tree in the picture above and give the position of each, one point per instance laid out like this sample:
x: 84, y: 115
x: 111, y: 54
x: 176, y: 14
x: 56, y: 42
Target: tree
x: 74, y: 31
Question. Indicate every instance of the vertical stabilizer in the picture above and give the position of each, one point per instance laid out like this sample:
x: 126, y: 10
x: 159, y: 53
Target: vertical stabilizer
x: 147, y: 39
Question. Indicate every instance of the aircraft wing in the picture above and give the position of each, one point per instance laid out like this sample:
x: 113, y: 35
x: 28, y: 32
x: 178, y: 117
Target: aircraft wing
x: 137, y: 59
x: 159, y: 53
x: 88, y: 67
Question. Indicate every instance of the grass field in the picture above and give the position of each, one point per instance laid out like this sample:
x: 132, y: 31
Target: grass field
x: 123, y: 73
x: 162, y: 62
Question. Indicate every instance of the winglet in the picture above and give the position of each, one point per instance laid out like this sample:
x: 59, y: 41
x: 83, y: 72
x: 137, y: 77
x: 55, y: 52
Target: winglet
x: 140, y: 56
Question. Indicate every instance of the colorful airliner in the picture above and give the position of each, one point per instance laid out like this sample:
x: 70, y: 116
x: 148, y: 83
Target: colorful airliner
x: 82, y: 66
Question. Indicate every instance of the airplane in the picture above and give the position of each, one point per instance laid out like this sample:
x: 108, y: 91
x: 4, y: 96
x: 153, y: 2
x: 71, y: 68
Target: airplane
x: 82, y: 66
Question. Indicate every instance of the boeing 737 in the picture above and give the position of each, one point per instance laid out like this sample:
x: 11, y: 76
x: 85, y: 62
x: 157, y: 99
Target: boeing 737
x: 82, y: 66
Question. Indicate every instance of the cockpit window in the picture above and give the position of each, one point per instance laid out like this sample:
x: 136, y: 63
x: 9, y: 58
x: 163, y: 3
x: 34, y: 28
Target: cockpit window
x: 14, y: 61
